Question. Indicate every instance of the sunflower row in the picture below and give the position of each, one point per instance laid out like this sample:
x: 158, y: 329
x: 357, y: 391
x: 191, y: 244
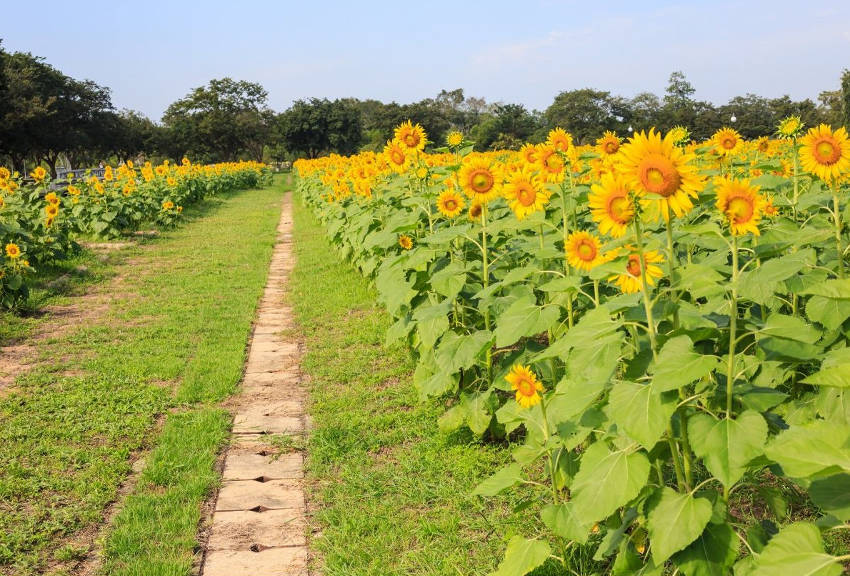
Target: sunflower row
x: 39, y: 221
x: 659, y: 327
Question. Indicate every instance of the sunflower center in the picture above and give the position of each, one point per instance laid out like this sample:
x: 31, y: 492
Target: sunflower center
x: 739, y: 210
x: 633, y: 267
x: 827, y: 152
x: 481, y: 181
x: 728, y: 142
x: 611, y: 147
x: 586, y: 250
x: 619, y: 209
x: 659, y: 176
x: 525, y: 194
x: 525, y: 387
x: 451, y: 204
x: 397, y: 156
x: 411, y: 139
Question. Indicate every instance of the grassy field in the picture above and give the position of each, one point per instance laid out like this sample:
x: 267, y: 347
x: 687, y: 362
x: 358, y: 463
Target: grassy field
x: 391, y: 492
x: 146, y: 367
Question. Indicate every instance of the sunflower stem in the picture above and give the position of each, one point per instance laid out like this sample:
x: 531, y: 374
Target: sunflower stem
x: 485, y: 279
x: 647, y: 306
x: 566, y: 261
x: 733, y: 327
x: 837, y: 217
x: 795, y: 176
x: 549, y: 452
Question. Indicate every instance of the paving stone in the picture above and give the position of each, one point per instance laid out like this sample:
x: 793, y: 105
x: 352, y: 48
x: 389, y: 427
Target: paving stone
x: 289, y: 561
x: 240, y: 530
x: 242, y: 464
x: 268, y: 425
x: 250, y: 494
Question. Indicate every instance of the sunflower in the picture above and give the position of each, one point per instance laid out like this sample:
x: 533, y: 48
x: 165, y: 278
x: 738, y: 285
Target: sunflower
x: 474, y: 213
x: 528, y: 153
x: 450, y: 203
x: 727, y: 142
x: 13, y: 251
x: 680, y: 135
x: 480, y: 178
x: 525, y: 193
x: 39, y: 174
x: 51, y: 210
x: 652, y: 165
x: 629, y: 281
x: 608, y: 144
x: 769, y: 209
x: 397, y: 156
x: 583, y: 251
x: 825, y: 153
x: 789, y: 127
x: 454, y: 139
x: 4, y: 173
x: 51, y: 198
x: 526, y: 384
x: 610, y: 205
x: 167, y: 205
x: 741, y: 203
x: 551, y: 165
x: 559, y: 139
x: 405, y: 241
x: 763, y: 145
x: 411, y: 136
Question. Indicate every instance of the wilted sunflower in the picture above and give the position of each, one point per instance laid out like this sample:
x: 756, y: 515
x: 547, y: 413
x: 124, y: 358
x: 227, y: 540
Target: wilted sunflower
x: 405, y: 241
x: 411, y: 136
x: 789, y: 127
x: 825, y: 153
x: 559, y: 139
x: 608, y: 144
x: 525, y: 193
x: 13, y: 251
x: 584, y: 251
x: 450, y: 203
x: 629, y: 281
x: 454, y: 139
x: 480, y: 178
x: 727, y: 142
x: 396, y: 156
x: 655, y: 166
x: 741, y: 203
x: 526, y: 384
x: 610, y: 205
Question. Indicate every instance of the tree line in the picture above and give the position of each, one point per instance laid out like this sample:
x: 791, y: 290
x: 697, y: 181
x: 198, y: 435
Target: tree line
x: 48, y: 117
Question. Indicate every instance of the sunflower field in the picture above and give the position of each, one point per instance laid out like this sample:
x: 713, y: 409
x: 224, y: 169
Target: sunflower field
x: 658, y: 328
x: 39, y: 222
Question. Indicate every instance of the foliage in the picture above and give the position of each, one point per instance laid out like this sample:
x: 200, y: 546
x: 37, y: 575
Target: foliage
x: 654, y: 378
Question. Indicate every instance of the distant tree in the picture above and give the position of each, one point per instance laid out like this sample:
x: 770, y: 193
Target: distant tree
x: 645, y: 111
x: 679, y: 106
x: 845, y: 97
x: 754, y: 115
x: 587, y: 113
x: 220, y: 121
x: 316, y: 126
x: 830, y: 107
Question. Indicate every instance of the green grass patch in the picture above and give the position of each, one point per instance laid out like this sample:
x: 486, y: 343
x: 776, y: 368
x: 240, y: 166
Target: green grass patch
x: 392, y: 493
x: 170, y: 340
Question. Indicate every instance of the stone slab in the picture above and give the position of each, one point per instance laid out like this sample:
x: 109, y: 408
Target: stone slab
x: 246, y: 464
x: 249, y: 494
x: 289, y: 561
x: 239, y: 530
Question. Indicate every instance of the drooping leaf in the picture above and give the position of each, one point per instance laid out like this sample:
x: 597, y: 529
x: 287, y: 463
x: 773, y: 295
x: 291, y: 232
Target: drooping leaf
x: 796, y: 551
x: 712, y: 554
x: 522, y: 556
x: 563, y: 521
x: 524, y: 318
x: 678, y: 365
x: 727, y: 446
x: 640, y: 411
x: 675, y: 521
x: 832, y: 494
x: 807, y: 450
x: 509, y: 476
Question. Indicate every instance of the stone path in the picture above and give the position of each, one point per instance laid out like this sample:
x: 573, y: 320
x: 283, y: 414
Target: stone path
x: 259, y: 523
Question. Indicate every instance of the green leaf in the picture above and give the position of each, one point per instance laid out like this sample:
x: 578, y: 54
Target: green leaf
x: 432, y: 322
x: 836, y: 376
x: 837, y: 289
x: 607, y: 480
x: 727, y: 446
x: 832, y: 494
x: 460, y: 351
x: 452, y: 419
x: 829, y: 312
x: 450, y: 280
x: 804, y: 451
x: 505, y: 478
x: 796, y: 551
x: 678, y: 365
x: 561, y: 519
x: 790, y: 327
x: 478, y: 412
x: 760, y: 284
x: 522, y: 556
x: 524, y: 318
x: 675, y: 521
x: 712, y: 554
x: 640, y: 411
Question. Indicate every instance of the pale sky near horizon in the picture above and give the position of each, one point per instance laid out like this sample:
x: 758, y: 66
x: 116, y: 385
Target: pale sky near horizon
x: 152, y: 53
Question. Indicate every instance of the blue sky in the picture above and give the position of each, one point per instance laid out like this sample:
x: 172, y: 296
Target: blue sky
x: 152, y: 53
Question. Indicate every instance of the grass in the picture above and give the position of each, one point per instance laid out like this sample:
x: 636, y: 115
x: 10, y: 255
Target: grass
x: 391, y: 492
x: 168, y: 345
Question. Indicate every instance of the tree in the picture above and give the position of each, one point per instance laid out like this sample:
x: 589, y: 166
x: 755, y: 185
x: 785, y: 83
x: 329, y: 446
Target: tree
x: 679, y: 106
x: 587, y: 113
x: 754, y: 115
x: 645, y: 111
x: 845, y: 97
x: 313, y: 127
x: 220, y: 121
